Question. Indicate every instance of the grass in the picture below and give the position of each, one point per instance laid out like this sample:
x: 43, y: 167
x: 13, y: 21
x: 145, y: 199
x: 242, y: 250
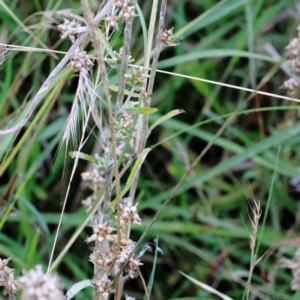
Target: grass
x: 204, y: 228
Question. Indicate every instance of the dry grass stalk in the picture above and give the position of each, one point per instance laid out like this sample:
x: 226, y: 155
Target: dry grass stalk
x: 256, y: 214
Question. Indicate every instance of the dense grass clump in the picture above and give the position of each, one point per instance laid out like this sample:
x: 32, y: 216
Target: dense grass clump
x: 140, y: 120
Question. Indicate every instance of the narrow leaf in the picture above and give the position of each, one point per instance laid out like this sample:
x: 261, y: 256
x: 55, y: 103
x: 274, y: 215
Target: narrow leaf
x: 151, y: 279
x: 105, y: 43
x: 143, y: 110
x: 296, y: 296
x: 35, y: 215
x: 165, y: 117
x: 76, y: 288
x: 82, y: 155
x: 134, y: 170
x: 220, y: 10
x: 206, y: 287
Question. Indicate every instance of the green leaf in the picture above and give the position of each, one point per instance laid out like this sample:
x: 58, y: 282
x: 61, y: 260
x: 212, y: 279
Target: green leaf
x: 82, y: 155
x: 296, y: 296
x: 105, y: 43
x: 206, y: 287
x: 217, y: 12
x: 33, y: 249
x: 143, y: 110
x: 77, y: 287
x: 151, y: 279
x: 144, y: 26
x: 35, y: 215
x: 169, y: 115
x: 213, y: 53
x: 134, y: 170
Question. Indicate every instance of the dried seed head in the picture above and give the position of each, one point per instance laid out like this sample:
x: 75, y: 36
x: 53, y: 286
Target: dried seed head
x: 128, y: 13
x: 94, y: 178
x: 69, y: 29
x: 103, y: 286
x: 129, y: 213
x: 101, y: 232
x: 295, y: 67
x: 123, y: 3
x: 130, y: 270
x: 89, y: 202
x: 96, y: 258
x: 81, y: 62
x: 291, y: 85
x: 293, y: 48
x: 7, y: 279
x: 167, y: 36
x: 294, y: 265
x: 36, y: 285
x: 112, y: 22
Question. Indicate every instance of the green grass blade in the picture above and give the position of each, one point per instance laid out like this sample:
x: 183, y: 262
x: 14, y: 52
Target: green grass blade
x: 213, y: 53
x: 134, y: 170
x: 32, y: 250
x: 220, y: 10
x: 167, y: 116
x: 250, y: 42
x: 144, y: 26
x: 151, y: 278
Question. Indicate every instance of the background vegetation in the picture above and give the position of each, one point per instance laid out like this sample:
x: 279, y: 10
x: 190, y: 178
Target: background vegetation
x: 204, y: 231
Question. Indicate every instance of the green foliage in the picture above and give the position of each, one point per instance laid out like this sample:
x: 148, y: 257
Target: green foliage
x: 204, y: 229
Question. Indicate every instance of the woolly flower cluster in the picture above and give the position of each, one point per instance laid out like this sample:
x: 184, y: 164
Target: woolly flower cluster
x: 36, y: 285
x: 96, y: 182
x: 129, y: 213
x: 95, y: 178
x: 70, y: 29
x: 113, y: 255
x: 167, y: 36
x: 7, y: 277
x: 127, y: 9
x: 122, y: 129
x: 293, y: 49
x: 81, y: 62
x: 294, y: 265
